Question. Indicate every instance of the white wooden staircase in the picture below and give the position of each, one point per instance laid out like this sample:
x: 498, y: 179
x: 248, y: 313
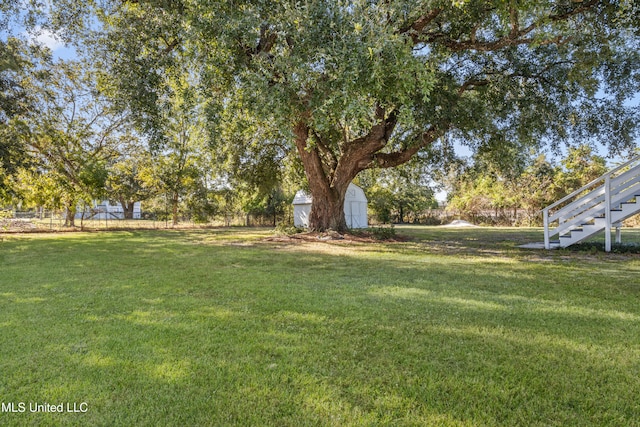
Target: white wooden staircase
x: 600, y: 205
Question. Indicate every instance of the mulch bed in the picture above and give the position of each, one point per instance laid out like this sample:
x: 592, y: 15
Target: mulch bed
x: 335, y: 237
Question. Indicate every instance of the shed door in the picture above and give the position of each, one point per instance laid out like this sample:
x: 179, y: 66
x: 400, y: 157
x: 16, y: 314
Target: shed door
x: 354, y: 217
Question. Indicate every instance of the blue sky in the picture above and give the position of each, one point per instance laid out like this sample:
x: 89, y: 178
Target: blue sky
x: 58, y: 48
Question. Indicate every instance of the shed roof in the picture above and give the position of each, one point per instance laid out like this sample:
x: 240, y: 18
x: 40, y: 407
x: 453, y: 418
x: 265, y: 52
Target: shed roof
x: 302, y: 198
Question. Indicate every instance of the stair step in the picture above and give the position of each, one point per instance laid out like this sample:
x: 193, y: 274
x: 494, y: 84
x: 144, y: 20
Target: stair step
x: 586, y: 214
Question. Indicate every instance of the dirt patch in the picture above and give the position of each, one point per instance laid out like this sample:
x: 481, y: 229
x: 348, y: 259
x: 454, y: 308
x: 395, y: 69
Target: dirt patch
x: 459, y: 223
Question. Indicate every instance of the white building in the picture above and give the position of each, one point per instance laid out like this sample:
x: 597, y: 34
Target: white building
x: 105, y: 210
x: 355, y: 208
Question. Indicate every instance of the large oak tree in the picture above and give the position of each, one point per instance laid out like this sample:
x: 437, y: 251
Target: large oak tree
x: 361, y: 84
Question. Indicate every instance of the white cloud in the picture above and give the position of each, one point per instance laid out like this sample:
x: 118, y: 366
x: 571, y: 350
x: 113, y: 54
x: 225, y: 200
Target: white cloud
x: 47, y: 38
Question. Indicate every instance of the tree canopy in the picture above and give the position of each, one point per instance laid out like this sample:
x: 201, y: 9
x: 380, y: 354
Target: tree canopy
x: 21, y: 68
x: 73, y: 136
x: 354, y: 85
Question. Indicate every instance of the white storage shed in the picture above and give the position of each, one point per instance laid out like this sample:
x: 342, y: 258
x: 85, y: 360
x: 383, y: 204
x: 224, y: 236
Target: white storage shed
x: 355, y: 208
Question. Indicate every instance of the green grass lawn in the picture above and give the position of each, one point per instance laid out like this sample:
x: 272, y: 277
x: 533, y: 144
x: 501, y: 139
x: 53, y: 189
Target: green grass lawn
x: 455, y: 327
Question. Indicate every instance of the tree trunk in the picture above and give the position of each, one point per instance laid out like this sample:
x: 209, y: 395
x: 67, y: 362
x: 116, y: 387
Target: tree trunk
x: 70, y: 218
x: 84, y: 209
x: 127, y: 208
x: 329, y: 173
x: 174, y: 208
x: 327, y: 210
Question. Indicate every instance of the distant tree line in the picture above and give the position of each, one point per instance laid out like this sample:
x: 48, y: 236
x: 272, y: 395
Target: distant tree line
x: 486, y: 193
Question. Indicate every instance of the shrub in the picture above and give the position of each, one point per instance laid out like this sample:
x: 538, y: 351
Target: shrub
x: 382, y: 233
x: 287, y: 229
x: 594, y: 247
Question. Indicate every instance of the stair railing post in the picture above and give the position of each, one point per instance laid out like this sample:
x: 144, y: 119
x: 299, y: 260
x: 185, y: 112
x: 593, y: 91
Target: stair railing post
x: 545, y: 219
x: 607, y: 213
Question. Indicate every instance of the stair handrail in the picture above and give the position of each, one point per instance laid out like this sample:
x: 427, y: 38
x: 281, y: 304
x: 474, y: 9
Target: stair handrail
x: 605, y: 177
x: 594, y: 200
x: 584, y: 187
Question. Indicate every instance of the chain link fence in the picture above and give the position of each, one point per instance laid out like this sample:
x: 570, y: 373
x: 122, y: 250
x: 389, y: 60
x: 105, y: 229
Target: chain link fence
x: 44, y: 220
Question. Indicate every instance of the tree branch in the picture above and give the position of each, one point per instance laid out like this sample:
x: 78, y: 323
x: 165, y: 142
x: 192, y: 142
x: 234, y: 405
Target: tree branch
x: 170, y: 45
x: 378, y: 136
x: 396, y: 158
x: 265, y: 43
x: 357, y: 153
x: 471, y: 84
x: 516, y: 35
x: 328, y: 153
x: 416, y: 27
x: 313, y: 166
